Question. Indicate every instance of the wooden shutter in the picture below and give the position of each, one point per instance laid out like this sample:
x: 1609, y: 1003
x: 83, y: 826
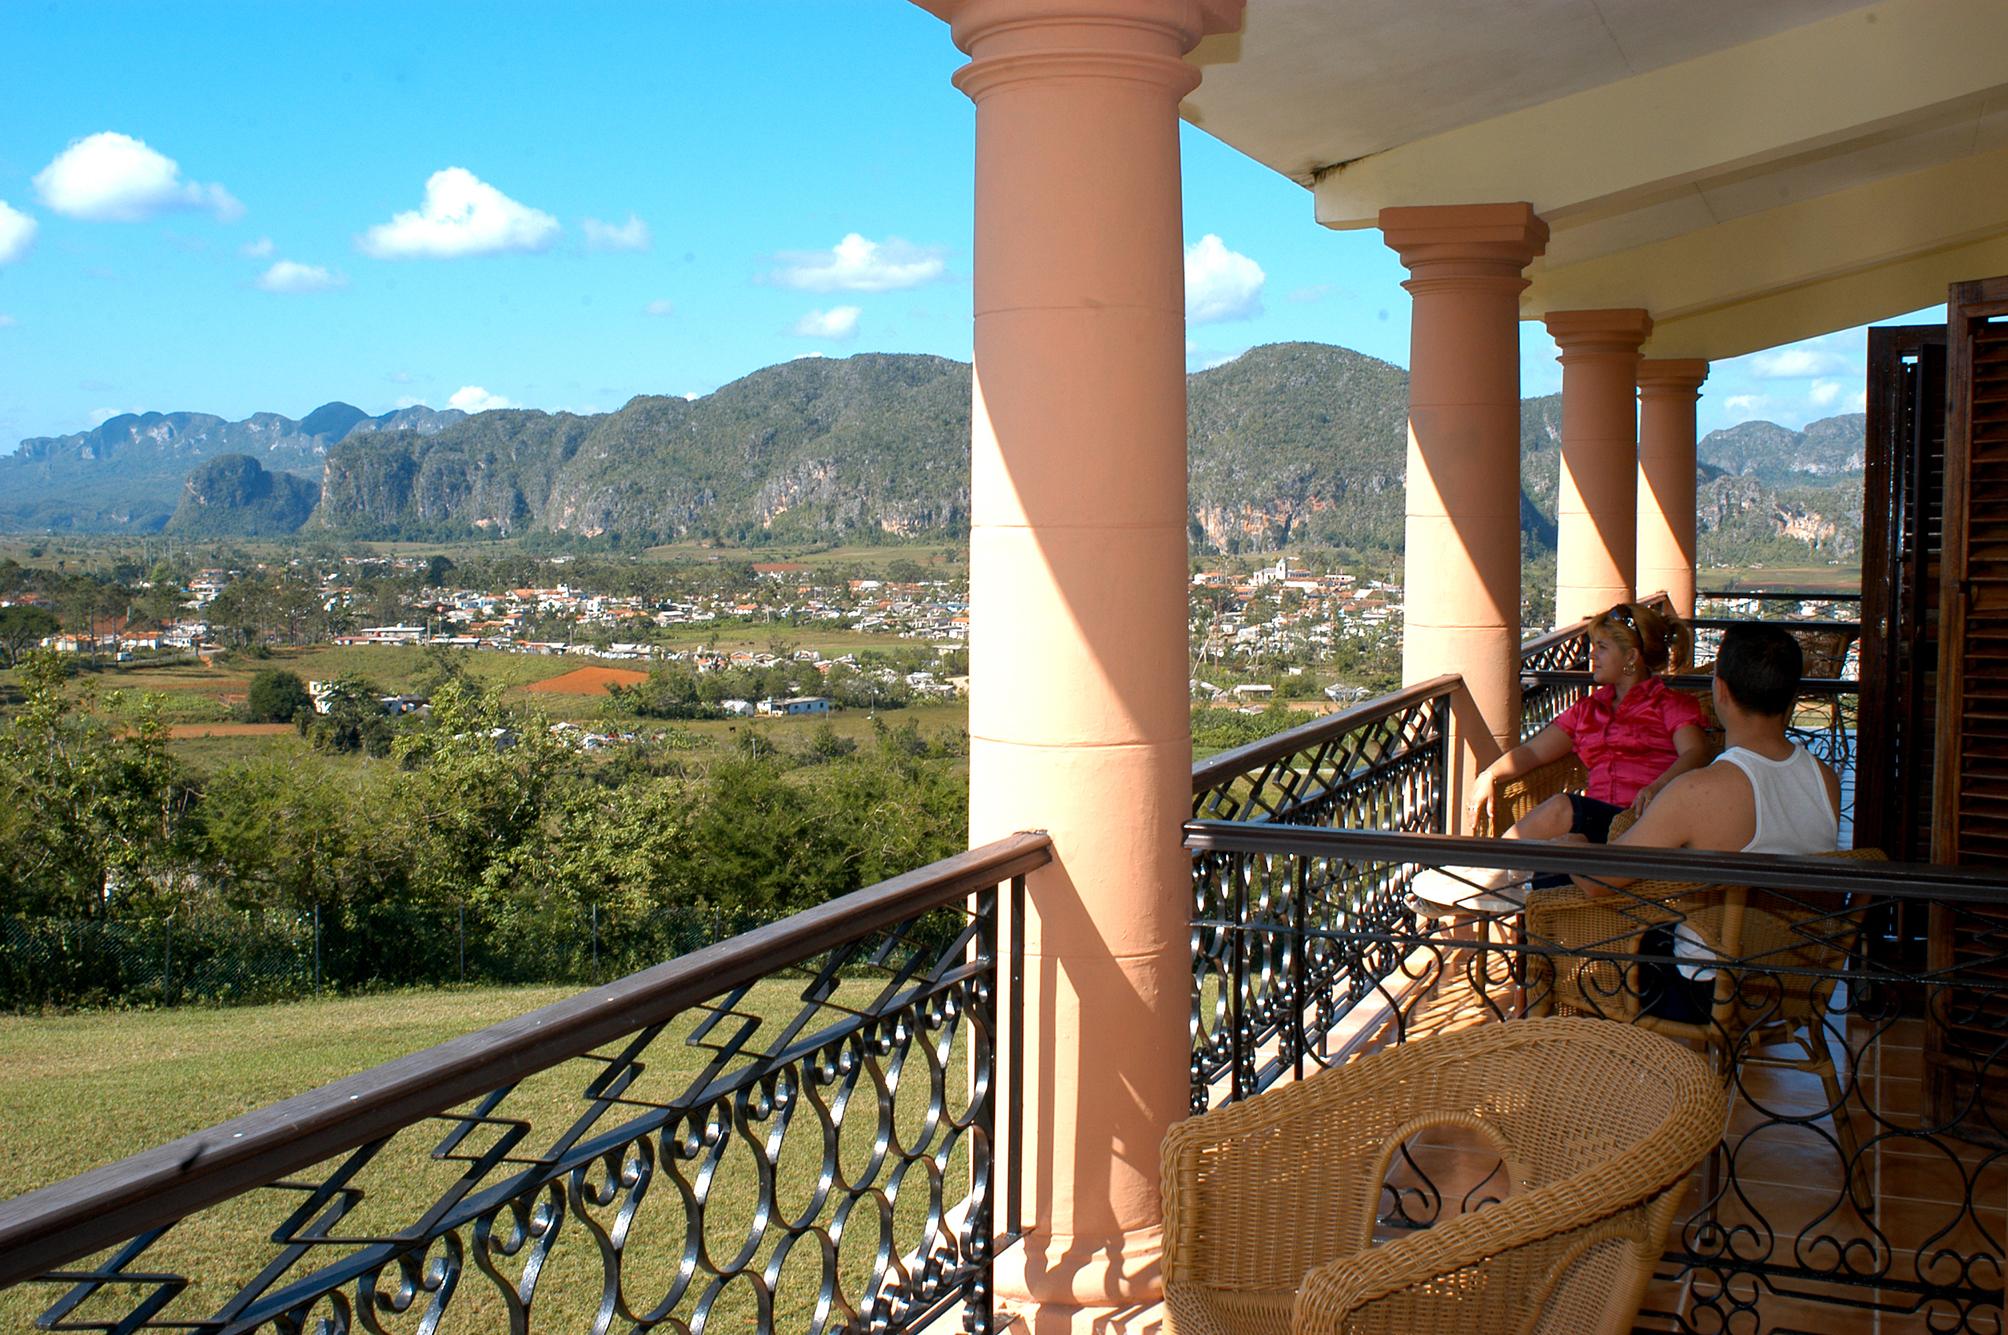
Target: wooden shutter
x: 1970, y: 792
x: 1902, y: 532
x: 1969, y: 821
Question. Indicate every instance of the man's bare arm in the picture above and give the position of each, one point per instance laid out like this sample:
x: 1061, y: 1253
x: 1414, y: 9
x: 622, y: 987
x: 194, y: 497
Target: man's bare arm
x: 1672, y: 821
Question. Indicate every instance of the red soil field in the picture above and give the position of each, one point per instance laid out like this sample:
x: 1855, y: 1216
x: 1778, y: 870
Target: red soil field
x: 589, y: 681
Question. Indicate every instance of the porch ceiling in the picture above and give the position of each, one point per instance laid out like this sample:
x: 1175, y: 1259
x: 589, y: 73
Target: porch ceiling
x: 1750, y: 173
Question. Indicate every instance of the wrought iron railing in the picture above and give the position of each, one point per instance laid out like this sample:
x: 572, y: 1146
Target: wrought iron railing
x: 1566, y: 649
x: 794, y: 1127
x: 1380, y: 764
x: 1862, y: 1179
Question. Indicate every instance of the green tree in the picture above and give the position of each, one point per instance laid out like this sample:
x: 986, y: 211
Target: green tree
x: 354, y: 721
x: 279, y: 834
x: 277, y: 696
x: 101, y: 800
x: 22, y: 626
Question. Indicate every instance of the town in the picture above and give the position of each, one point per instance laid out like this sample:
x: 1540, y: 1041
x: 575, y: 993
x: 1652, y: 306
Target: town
x: 1294, y: 628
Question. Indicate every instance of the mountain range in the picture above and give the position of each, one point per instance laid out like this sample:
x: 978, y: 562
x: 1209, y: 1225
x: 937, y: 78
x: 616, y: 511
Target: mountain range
x: 126, y: 474
x: 1289, y: 443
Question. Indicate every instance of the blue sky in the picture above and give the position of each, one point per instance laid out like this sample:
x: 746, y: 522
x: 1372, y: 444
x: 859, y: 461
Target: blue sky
x: 240, y: 207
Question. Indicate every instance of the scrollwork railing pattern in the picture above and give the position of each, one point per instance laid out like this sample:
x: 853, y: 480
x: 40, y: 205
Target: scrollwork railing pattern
x: 1378, y: 766
x: 1859, y: 1181
x: 791, y: 1130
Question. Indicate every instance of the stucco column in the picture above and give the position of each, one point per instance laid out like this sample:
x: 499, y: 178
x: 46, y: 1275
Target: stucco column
x: 1596, y: 516
x: 1667, y: 389
x: 1078, y: 718
x: 1461, y: 583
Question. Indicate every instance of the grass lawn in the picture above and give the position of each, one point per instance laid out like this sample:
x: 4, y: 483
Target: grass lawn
x: 80, y: 1090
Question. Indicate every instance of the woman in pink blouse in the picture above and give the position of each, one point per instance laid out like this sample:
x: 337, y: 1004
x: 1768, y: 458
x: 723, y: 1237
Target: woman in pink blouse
x: 1633, y: 733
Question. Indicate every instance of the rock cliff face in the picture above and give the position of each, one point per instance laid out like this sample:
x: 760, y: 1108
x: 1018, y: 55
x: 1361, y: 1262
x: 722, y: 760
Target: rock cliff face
x: 1829, y: 448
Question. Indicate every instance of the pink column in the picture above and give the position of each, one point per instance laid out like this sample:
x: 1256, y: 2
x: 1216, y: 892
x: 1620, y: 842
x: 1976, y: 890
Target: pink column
x: 1078, y: 716
x: 1667, y: 390
x: 1462, y: 554
x: 1596, y: 543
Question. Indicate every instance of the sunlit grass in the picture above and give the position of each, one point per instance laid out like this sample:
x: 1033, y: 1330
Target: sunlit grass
x: 78, y: 1090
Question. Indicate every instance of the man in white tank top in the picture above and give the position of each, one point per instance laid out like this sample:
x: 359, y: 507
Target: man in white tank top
x: 1763, y: 794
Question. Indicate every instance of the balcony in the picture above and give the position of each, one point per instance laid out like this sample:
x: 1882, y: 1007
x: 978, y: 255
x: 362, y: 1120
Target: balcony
x: 949, y: 1091
x: 819, y: 1125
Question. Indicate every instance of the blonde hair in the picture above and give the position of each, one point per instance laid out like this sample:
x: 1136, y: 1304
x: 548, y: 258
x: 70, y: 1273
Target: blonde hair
x: 1659, y: 637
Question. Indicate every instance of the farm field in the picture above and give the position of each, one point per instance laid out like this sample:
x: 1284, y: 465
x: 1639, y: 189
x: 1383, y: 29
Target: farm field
x: 1824, y: 579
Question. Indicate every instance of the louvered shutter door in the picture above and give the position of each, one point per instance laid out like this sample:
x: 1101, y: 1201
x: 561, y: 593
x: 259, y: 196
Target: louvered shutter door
x: 1902, y: 526
x: 1970, y: 786
x: 1970, y: 795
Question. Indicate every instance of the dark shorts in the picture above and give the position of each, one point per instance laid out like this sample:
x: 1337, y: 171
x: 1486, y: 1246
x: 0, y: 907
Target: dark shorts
x: 1591, y: 819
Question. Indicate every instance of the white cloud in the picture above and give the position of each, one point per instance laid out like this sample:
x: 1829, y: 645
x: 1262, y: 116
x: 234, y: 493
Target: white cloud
x: 1743, y: 403
x: 661, y: 306
x: 289, y: 276
x: 17, y: 233
x: 857, y: 264
x: 691, y: 396
x: 407, y: 401
x: 260, y: 249
x: 1798, y: 362
x: 630, y: 235
x: 7, y: 321
x: 99, y: 416
x: 1824, y: 392
x: 474, y: 399
x: 398, y: 377
x: 1220, y: 284
x: 112, y: 177
x: 836, y: 322
x: 462, y: 215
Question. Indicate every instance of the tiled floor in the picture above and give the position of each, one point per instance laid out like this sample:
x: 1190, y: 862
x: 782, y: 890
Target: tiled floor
x: 1930, y: 1209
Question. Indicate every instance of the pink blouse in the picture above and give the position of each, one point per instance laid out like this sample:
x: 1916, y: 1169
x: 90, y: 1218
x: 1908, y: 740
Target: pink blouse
x: 1627, y: 745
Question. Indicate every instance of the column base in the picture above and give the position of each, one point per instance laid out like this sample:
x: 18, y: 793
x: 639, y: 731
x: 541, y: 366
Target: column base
x: 1054, y: 1274
x: 1031, y: 1318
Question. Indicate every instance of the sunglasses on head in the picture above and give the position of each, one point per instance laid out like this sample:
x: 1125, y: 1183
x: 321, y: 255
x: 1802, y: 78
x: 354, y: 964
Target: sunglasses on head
x: 1622, y: 614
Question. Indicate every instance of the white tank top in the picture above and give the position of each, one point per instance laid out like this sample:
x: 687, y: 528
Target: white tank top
x: 1793, y: 812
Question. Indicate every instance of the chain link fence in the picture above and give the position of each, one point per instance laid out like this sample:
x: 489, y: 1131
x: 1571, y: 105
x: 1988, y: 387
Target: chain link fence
x: 229, y: 957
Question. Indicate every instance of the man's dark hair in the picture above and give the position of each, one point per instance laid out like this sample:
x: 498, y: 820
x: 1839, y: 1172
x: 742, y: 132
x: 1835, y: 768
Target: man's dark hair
x: 1759, y: 666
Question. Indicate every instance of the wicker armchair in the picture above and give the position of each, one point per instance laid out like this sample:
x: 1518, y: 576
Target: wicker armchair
x: 1270, y: 1204
x: 1782, y: 1000
x: 1514, y: 798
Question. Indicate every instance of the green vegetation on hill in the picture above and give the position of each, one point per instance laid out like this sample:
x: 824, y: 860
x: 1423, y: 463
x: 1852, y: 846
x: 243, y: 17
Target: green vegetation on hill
x: 1289, y: 444
x: 232, y: 496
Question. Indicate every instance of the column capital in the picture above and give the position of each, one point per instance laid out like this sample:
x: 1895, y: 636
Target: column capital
x: 1671, y: 376
x: 1601, y: 333
x: 1453, y: 242
x: 1010, y: 41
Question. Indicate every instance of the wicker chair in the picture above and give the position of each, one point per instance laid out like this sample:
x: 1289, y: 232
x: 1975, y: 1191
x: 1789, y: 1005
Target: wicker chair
x: 1270, y: 1204
x: 1514, y: 798
x: 1781, y: 1001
